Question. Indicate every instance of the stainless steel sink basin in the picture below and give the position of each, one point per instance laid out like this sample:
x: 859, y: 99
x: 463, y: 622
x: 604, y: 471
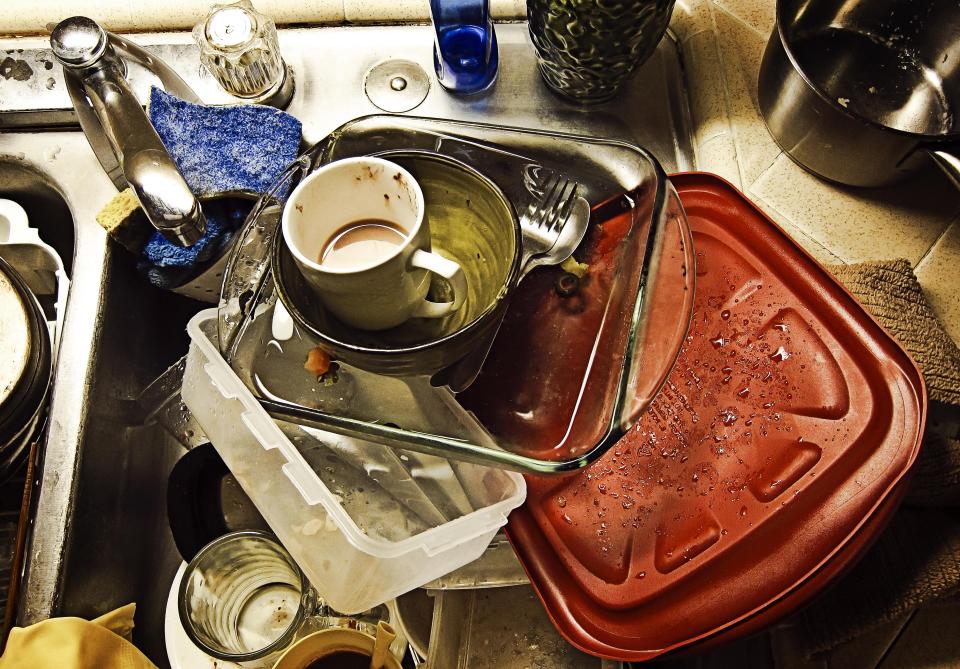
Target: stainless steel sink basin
x: 100, y: 536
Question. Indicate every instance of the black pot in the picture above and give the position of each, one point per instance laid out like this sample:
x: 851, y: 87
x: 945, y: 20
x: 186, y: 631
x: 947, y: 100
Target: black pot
x: 25, y: 369
x: 864, y: 93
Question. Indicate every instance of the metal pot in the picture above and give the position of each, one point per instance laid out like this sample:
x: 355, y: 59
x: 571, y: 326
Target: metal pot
x: 864, y: 93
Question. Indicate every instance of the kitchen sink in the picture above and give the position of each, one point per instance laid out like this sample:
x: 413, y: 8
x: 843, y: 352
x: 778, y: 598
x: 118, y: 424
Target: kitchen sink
x: 100, y: 536
x: 46, y: 207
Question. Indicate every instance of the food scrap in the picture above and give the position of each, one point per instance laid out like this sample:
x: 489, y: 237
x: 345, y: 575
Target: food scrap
x: 571, y: 266
x: 318, y: 362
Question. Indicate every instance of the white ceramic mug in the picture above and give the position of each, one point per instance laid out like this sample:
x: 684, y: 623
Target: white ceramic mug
x: 390, y: 287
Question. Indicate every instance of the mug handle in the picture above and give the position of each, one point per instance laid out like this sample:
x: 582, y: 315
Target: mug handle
x: 450, y: 271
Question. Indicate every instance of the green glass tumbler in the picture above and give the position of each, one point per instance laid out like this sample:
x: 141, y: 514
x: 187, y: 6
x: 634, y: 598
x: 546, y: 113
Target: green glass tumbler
x: 588, y: 49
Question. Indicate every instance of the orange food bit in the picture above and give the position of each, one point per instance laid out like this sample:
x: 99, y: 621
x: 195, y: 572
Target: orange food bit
x: 318, y: 362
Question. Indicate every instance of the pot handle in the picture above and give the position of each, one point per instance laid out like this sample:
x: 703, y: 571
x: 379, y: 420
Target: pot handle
x: 949, y: 162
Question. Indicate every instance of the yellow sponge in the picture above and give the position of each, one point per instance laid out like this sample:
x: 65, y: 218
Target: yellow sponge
x: 125, y: 221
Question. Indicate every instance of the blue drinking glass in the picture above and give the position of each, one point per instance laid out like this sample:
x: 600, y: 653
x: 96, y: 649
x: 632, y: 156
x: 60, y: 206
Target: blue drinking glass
x: 465, y: 52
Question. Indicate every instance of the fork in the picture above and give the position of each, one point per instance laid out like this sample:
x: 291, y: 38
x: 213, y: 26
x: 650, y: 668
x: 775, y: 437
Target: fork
x: 544, y: 220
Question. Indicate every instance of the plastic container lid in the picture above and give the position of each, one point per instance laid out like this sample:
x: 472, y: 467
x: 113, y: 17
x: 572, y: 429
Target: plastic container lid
x: 766, y: 464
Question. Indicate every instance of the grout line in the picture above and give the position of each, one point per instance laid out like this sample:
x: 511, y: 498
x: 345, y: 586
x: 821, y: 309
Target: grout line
x: 896, y: 638
x: 794, y: 230
x: 687, y: 38
x: 711, y: 52
x: 765, y: 170
x: 936, y: 241
x: 727, y: 98
x: 744, y: 23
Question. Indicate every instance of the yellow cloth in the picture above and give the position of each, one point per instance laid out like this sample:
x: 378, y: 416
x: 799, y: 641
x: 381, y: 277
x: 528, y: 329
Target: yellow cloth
x: 74, y: 643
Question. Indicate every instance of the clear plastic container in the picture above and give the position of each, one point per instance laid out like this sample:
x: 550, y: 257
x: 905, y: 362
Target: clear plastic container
x: 365, y: 522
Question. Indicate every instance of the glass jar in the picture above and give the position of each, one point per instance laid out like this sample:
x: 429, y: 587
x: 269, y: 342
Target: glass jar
x: 588, y: 49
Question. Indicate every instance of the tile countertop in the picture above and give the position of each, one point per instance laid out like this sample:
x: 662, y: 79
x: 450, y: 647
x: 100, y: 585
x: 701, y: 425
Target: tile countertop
x: 722, y: 42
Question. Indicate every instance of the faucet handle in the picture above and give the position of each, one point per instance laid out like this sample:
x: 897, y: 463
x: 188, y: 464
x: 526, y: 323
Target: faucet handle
x: 78, y: 41
x: 239, y: 47
x: 117, y: 128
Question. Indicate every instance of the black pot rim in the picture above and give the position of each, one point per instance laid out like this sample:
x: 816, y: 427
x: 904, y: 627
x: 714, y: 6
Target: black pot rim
x: 30, y: 392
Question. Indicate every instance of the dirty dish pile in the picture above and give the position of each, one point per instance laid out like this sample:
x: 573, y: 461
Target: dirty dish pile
x: 634, y: 249
x: 749, y: 457
x: 402, y: 515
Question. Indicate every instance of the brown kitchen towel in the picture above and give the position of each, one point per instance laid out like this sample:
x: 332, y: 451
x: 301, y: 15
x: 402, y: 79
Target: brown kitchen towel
x: 917, y: 558
x: 915, y: 561
x: 935, y: 481
x: 890, y: 291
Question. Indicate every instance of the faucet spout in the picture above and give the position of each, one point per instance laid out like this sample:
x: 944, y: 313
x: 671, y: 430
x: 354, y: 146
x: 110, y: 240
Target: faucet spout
x: 117, y: 128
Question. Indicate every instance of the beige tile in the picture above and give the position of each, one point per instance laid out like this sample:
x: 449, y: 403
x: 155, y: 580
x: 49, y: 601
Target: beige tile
x: 285, y: 12
x: 741, y: 49
x: 125, y: 15
x: 395, y: 11
x: 719, y: 155
x: 821, y: 253
x: 708, y: 108
x: 939, y: 274
x: 760, y: 15
x: 755, y: 148
x: 858, y: 224
x: 508, y: 9
x: 398, y: 11
x: 690, y: 17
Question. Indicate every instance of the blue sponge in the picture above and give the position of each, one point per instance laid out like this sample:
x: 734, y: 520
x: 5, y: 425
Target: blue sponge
x: 223, y: 217
x: 220, y: 151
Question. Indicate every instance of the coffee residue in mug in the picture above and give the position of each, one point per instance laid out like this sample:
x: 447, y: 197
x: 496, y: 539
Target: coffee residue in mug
x: 342, y: 659
x: 361, y: 243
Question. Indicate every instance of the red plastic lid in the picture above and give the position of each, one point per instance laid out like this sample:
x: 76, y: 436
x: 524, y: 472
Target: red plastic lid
x: 790, y: 418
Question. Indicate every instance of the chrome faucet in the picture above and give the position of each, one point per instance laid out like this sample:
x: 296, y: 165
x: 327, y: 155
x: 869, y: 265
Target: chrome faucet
x: 118, y: 129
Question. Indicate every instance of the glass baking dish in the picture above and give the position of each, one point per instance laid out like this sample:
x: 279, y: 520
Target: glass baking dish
x: 567, y: 376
